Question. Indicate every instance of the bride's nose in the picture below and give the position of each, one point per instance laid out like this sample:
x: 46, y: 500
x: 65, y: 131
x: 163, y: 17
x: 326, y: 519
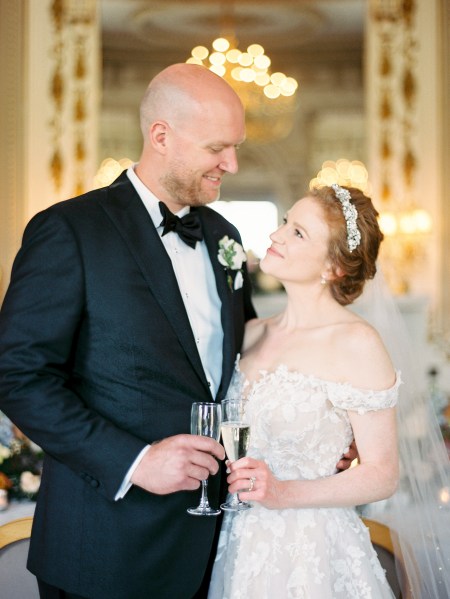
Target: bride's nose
x: 277, y: 236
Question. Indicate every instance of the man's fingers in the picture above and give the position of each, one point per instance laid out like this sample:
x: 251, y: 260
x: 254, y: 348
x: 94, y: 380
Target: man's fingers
x: 178, y: 463
x: 207, y: 445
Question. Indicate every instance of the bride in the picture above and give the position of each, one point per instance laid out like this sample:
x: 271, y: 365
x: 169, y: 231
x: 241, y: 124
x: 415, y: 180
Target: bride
x: 314, y: 377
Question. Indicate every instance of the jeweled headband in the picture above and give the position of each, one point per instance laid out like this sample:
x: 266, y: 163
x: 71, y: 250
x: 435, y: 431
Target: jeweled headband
x: 350, y: 215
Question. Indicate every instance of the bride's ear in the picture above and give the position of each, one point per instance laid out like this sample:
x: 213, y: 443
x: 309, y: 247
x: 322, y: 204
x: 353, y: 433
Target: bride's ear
x: 331, y: 273
x: 338, y: 273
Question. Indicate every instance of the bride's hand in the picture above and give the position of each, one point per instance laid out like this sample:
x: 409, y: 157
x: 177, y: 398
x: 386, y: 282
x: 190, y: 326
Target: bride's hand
x: 254, y: 481
x: 346, y: 461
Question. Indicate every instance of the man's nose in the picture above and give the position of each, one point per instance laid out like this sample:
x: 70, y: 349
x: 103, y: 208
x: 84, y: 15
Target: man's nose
x: 229, y: 162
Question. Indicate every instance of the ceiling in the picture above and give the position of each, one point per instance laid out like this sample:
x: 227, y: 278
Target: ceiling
x: 164, y: 31
x: 318, y: 42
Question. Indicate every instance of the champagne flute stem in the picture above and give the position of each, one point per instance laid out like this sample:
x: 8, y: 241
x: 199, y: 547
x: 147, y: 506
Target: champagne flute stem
x: 234, y: 499
x: 204, y: 503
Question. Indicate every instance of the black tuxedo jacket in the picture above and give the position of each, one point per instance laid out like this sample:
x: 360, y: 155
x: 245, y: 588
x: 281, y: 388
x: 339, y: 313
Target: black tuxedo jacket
x: 97, y: 359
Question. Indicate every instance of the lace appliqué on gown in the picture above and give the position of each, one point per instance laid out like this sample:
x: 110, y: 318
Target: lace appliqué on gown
x: 300, y: 427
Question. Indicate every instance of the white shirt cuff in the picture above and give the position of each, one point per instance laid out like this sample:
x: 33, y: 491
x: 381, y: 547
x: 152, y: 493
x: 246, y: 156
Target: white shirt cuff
x: 126, y: 483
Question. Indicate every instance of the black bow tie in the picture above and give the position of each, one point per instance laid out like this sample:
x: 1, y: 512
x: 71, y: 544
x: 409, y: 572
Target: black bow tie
x: 188, y: 226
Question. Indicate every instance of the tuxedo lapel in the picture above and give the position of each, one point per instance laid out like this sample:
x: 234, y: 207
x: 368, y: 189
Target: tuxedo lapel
x: 213, y: 231
x: 129, y: 215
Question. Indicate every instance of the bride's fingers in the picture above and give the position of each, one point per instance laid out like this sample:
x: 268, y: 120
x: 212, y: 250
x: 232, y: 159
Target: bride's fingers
x: 243, y: 463
x: 242, y: 480
x: 248, y: 488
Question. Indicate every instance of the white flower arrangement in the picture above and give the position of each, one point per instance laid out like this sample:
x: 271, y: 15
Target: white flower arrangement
x: 232, y: 255
x: 20, y: 462
x: 29, y: 482
x: 5, y: 453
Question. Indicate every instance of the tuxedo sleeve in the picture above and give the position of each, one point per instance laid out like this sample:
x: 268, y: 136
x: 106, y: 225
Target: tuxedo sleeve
x: 39, y: 323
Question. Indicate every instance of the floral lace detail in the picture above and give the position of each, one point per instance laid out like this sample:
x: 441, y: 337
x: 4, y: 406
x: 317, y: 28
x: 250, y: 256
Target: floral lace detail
x: 301, y: 428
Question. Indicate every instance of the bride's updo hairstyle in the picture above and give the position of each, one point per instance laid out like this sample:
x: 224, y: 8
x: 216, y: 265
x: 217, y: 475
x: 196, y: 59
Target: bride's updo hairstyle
x: 350, y: 268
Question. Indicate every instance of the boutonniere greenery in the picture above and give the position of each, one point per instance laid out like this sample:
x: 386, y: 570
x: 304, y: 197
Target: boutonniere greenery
x: 231, y: 255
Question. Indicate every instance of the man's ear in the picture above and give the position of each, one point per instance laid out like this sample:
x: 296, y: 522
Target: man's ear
x: 158, y: 136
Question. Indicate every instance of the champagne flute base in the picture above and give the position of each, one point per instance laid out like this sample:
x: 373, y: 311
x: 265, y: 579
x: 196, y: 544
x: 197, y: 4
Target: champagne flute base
x: 203, y: 511
x: 235, y: 507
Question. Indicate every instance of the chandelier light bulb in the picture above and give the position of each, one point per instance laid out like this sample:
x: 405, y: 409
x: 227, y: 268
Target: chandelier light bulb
x: 358, y: 173
x: 328, y: 175
x: 272, y: 91
x: 236, y: 73
x: 289, y: 86
x: 277, y: 78
x: 262, y: 61
x: 200, y: 52
x: 218, y: 69
x: 217, y: 58
x: 255, y: 50
x: 245, y: 59
x: 233, y: 55
x: 248, y: 75
x: 221, y: 44
x: 262, y: 79
x: 343, y: 167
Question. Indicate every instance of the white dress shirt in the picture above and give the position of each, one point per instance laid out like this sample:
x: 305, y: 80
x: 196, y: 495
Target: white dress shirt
x: 197, y: 284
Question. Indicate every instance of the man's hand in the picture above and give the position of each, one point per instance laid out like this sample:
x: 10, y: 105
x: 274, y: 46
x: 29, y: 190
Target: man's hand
x: 347, y: 459
x: 178, y: 463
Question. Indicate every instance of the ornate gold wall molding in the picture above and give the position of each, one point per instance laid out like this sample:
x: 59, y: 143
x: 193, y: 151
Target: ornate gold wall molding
x: 397, y: 131
x: 74, y: 23
x: 81, y: 19
x: 12, y: 18
x: 394, y: 23
x: 57, y: 91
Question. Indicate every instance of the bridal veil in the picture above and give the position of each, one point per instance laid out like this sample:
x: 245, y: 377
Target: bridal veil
x: 419, y: 512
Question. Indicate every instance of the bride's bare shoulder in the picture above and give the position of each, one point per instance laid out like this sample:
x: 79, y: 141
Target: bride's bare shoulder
x: 254, y: 331
x: 366, y: 355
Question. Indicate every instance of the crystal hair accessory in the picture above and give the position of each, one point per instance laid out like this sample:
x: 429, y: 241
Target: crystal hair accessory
x: 350, y: 215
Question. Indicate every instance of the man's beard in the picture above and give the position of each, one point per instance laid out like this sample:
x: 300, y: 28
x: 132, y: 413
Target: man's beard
x: 186, y: 194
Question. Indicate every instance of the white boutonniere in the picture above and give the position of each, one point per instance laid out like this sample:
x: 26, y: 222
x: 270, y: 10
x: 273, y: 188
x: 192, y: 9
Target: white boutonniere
x: 231, y: 255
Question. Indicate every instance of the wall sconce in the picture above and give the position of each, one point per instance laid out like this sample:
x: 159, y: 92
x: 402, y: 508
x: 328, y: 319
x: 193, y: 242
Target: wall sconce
x: 406, y: 233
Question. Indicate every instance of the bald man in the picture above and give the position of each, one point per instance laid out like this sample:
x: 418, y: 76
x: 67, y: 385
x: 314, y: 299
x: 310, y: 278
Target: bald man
x: 116, y: 320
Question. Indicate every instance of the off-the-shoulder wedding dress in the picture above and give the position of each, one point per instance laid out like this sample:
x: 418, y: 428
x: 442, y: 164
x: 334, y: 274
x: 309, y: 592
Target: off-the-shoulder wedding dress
x: 300, y: 427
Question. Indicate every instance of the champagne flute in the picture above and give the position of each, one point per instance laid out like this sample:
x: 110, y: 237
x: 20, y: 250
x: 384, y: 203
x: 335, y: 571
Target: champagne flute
x: 205, y: 421
x: 235, y: 437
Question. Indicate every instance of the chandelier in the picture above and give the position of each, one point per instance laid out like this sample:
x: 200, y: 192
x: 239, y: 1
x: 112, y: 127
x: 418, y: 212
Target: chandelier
x: 268, y: 98
x: 350, y: 173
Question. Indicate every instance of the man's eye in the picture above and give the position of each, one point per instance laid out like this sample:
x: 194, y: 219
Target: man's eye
x: 284, y: 220
x: 298, y: 233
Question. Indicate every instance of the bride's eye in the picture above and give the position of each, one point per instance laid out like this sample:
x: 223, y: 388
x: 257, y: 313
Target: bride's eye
x: 298, y: 234
x: 284, y: 220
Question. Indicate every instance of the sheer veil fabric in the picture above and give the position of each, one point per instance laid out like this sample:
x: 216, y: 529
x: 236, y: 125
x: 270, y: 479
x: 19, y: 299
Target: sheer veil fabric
x: 418, y: 511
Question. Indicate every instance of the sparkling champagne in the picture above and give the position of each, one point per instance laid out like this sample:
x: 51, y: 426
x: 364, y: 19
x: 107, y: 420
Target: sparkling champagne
x: 236, y: 437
